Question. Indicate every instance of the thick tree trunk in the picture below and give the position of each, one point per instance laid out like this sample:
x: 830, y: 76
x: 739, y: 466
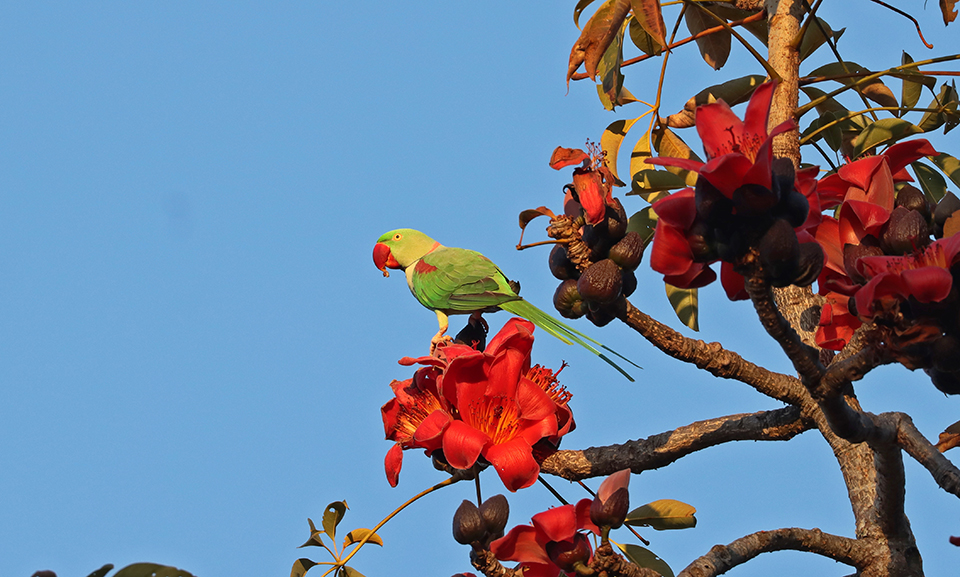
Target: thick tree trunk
x: 873, y: 474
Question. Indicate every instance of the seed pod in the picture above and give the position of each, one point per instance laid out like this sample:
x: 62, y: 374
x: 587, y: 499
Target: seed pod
x: 568, y: 554
x: 701, y: 241
x: 784, y: 174
x: 601, y: 282
x: 906, y: 231
x: 629, y: 282
x: 947, y: 383
x: 810, y: 265
x: 468, y: 525
x: 712, y: 205
x: 495, y: 512
x: 912, y: 198
x: 628, y: 252
x: 568, y: 301
x: 794, y: 207
x: 754, y: 200
x: 560, y: 264
x: 780, y: 253
x: 945, y: 208
x: 945, y: 354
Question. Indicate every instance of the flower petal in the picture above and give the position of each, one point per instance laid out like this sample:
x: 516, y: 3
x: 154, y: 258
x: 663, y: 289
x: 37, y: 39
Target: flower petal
x: 462, y: 445
x: 392, y: 463
x: 618, y: 480
x: 928, y: 284
x: 558, y: 523
x: 514, y: 463
x: 671, y: 254
x: 733, y: 283
x: 727, y: 172
x: 521, y: 544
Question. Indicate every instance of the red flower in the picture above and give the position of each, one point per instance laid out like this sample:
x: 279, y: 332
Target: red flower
x: 837, y: 324
x: 610, y: 506
x: 738, y: 151
x: 924, y: 275
x: 502, y: 411
x: 473, y: 404
x: 557, y: 529
x: 593, y: 181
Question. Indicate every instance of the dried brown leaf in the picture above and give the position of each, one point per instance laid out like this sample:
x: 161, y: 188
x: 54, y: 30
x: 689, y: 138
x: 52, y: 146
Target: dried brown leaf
x: 949, y: 9
x: 650, y: 17
x: 596, y: 37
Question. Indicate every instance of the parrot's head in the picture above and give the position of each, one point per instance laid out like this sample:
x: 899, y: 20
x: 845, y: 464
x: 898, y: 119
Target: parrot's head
x: 401, y: 248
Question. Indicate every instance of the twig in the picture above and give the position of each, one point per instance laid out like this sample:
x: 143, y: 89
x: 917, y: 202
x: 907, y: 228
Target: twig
x: 911, y: 18
x: 662, y: 449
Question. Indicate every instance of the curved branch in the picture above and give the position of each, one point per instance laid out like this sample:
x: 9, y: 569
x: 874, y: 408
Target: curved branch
x: 712, y: 357
x: 722, y: 558
x: 662, y: 449
x: 944, y: 472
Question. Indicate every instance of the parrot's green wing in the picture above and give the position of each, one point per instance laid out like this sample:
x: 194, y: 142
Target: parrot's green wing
x: 458, y: 280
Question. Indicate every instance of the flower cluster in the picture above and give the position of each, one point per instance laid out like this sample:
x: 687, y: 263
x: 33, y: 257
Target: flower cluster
x: 466, y: 407
x: 555, y: 543
x: 743, y: 198
x: 600, y: 289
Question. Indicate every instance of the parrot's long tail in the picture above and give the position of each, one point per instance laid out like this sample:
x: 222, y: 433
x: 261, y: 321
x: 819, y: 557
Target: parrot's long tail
x: 567, y: 334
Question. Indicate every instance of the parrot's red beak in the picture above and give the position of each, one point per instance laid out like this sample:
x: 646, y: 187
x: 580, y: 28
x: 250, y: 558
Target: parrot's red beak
x: 383, y: 258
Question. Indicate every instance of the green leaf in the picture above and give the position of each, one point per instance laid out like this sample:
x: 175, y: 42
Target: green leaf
x: 684, y: 303
x: 663, y: 514
x: 732, y: 92
x: 102, y: 571
x: 644, y: 223
x: 913, y: 83
x: 578, y: 10
x: 650, y: 17
x: 949, y: 165
x: 714, y: 48
x: 358, y: 535
x: 931, y: 182
x: 642, y: 557
x: 611, y: 90
x: 642, y: 39
x: 332, y: 517
x: 351, y: 572
x: 648, y: 182
x: 883, y: 131
x: 814, y: 38
x: 151, y: 570
x: 300, y: 567
x: 611, y: 140
x: 875, y: 89
x: 667, y: 143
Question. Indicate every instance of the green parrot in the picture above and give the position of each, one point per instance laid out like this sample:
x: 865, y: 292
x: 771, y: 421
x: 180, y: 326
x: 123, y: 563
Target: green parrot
x: 451, y: 281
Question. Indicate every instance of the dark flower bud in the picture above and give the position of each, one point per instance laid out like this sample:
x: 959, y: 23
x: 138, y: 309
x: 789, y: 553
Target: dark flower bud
x: 780, y: 253
x: 948, y: 205
x: 568, y: 554
x: 560, y: 265
x: 869, y: 246
x: 612, y: 511
x: 811, y: 263
x: 794, y: 207
x: 628, y: 252
x: 601, y: 316
x: 906, y: 231
x: 700, y: 239
x: 468, y: 525
x: 946, y: 383
x: 911, y: 198
x: 495, y: 512
x: 601, y: 282
x: 629, y: 282
x: 754, y: 200
x: 712, y: 205
x: 617, y: 220
x: 568, y: 301
x: 945, y: 354
x: 595, y: 237
x: 784, y: 174
x: 730, y: 244
x: 474, y: 334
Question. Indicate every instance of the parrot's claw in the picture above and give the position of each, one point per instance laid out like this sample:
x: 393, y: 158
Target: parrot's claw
x: 438, y: 340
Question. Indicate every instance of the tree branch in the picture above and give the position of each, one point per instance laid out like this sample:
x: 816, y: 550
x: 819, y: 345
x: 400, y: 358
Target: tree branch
x: 944, y: 472
x: 712, y: 357
x: 662, y: 449
x: 722, y: 558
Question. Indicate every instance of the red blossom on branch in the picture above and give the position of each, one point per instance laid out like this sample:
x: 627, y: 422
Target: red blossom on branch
x: 472, y: 405
x: 553, y: 537
x: 593, y: 181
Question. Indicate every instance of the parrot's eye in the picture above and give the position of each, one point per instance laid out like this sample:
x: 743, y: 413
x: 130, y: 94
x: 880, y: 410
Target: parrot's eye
x: 397, y: 236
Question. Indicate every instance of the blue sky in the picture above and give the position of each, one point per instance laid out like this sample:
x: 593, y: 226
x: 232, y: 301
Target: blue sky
x: 195, y: 343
